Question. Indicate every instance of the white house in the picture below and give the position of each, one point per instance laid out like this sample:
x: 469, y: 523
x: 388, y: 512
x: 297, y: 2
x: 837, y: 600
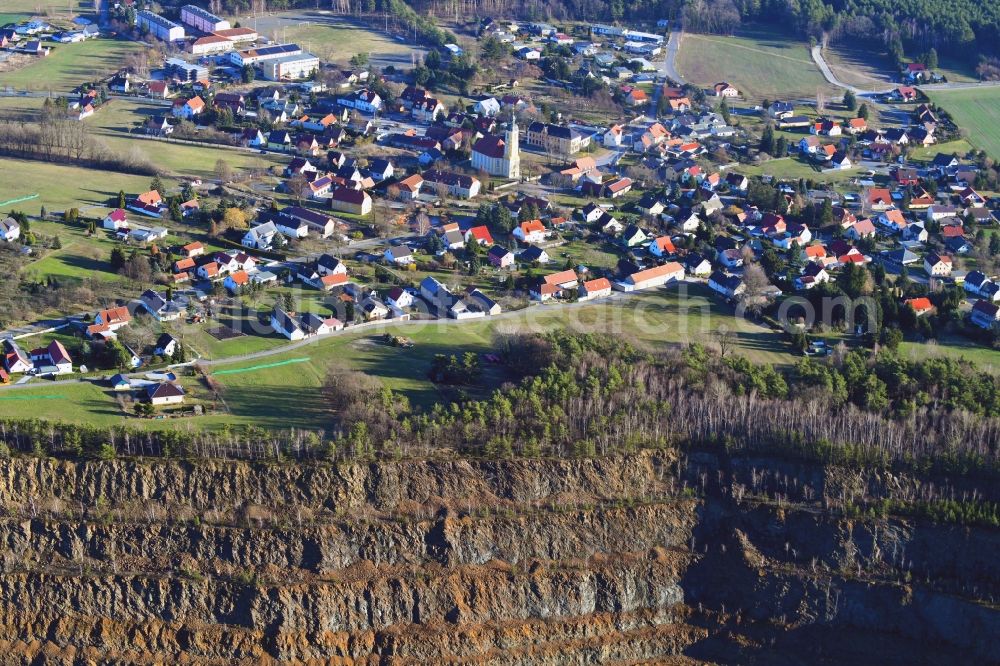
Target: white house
x: 164, y: 393
x: 115, y: 220
x: 260, y: 237
x: 10, y: 230
x: 286, y: 325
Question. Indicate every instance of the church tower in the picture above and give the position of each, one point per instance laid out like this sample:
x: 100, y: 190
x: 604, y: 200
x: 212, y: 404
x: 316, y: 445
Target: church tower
x: 512, y: 151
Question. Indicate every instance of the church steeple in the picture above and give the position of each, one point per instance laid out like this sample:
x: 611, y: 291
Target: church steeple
x: 512, y: 150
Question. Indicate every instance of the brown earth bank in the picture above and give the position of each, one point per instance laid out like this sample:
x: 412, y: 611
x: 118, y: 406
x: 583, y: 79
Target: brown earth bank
x: 654, y: 557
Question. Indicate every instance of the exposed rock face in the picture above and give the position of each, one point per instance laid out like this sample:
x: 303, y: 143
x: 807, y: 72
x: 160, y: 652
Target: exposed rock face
x: 520, y: 562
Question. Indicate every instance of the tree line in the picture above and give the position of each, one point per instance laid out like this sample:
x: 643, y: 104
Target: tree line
x: 589, y: 395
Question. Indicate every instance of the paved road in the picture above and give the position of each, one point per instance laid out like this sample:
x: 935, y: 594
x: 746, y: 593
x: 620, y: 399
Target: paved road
x: 824, y: 67
x: 669, y: 67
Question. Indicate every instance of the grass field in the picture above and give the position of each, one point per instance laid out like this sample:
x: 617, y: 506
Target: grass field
x: 977, y: 111
x: 863, y: 68
x: 62, y: 186
x: 287, y: 395
x: 69, y: 65
x: 335, y: 38
x: 793, y: 168
x: 927, y: 153
x: 760, y: 63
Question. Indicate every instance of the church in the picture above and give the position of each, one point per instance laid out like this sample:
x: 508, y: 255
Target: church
x: 498, y: 156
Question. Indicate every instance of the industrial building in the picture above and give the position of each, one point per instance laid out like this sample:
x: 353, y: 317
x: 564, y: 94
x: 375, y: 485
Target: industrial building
x: 203, y: 20
x: 159, y: 27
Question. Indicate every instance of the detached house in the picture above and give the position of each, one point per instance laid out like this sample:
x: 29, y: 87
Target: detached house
x: 937, y: 265
x: 985, y: 315
x: 530, y: 231
x: 188, y: 108
x: 500, y: 257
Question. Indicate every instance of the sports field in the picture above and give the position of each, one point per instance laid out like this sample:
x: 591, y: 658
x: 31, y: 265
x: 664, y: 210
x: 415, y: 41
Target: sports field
x: 975, y: 110
x: 335, y: 38
x: 761, y: 63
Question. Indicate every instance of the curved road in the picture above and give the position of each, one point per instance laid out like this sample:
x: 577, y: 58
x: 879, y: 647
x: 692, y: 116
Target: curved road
x: 824, y: 67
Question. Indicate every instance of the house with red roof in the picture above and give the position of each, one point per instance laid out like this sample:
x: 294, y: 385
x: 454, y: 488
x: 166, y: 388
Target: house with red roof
x: 481, y: 234
x: 530, y: 231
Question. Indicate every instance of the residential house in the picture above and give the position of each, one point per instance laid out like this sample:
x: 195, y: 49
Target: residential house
x: 725, y: 90
x: 188, y: 108
x: 652, y: 277
x: 261, y: 237
x: 481, y: 234
x: 348, y: 200
x: 52, y: 359
x: 166, y: 345
x: 159, y: 307
x: 697, y: 265
x: 530, y: 231
x: 937, y: 265
x: 921, y: 306
x: 728, y: 286
x: 633, y: 236
x: 985, y: 315
x: 10, y: 229
x: 662, y: 246
x: 458, y: 185
x: 593, y: 289
x: 861, y: 229
x: 237, y: 281
x: 500, y: 257
x: 399, y: 298
x: 115, y: 220
x: 399, y: 254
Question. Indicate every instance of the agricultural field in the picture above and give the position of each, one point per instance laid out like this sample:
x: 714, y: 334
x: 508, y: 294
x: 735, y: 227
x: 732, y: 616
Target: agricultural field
x: 760, y: 63
x: 335, y: 38
x: 975, y: 110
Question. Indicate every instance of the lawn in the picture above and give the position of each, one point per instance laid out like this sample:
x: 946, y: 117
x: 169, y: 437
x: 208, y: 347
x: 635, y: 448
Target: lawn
x: 793, y: 168
x: 975, y: 110
x: 761, y: 63
x: 69, y: 65
x: 927, y: 153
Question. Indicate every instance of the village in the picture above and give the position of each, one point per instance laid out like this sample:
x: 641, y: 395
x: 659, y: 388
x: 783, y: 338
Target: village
x: 390, y: 203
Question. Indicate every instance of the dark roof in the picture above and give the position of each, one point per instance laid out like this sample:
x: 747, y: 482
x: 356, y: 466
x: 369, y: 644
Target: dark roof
x: 448, y: 178
x: 163, y: 390
x: 491, y: 146
x: 559, y: 131
x: 533, y: 253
